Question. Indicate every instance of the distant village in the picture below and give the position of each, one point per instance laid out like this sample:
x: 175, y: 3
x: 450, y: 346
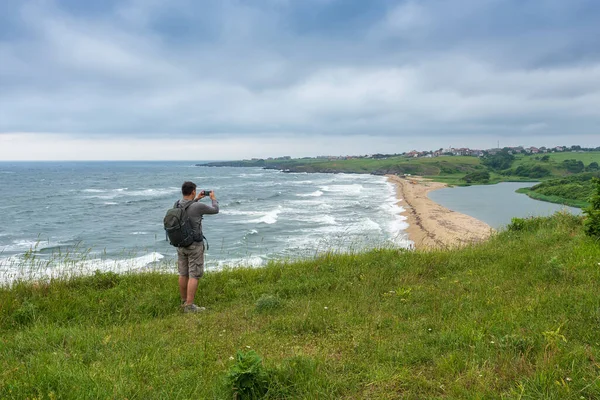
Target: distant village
x: 451, y: 151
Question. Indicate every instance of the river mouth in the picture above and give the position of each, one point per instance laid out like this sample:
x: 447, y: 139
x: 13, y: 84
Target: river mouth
x: 496, y: 204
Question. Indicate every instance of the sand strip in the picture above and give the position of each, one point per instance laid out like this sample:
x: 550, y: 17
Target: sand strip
x: 431, y: 225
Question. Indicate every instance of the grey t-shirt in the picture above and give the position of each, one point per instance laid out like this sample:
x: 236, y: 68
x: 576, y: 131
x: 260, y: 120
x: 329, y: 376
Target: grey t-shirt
x: 196, y: 211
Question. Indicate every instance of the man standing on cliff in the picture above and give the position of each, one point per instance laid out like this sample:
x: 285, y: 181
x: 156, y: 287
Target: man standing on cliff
x: 190, y: 259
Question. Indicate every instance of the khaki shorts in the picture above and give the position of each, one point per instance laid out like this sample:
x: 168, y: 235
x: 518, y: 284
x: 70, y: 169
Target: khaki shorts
x: 190, y: 260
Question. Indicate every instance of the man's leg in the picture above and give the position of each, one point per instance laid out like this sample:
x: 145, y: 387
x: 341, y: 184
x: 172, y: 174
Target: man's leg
x: 183, y: 287
x: 192, y: 287
x: 182, y: 267
x: 196, y: 268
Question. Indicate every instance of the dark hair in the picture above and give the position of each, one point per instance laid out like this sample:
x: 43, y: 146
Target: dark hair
x: 187, y: 188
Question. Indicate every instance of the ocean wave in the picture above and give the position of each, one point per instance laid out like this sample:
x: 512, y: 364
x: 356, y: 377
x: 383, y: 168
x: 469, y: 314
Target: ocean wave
x: 318, y: 193
x: 16, y: 268
x: 354, y: 189
x: 111, y: 194
x: 252, y: 261
x: 250, y: 233
x: 268, y: 218
x: 21, y: 245
x: 240, y: 212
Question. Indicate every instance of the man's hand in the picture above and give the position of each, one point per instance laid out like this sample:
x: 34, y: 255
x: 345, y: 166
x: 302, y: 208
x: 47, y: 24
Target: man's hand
x: 212, y: 195
x: 200, y: 196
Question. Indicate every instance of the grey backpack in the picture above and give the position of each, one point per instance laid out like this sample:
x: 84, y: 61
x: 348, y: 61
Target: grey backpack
x: 178, y: 226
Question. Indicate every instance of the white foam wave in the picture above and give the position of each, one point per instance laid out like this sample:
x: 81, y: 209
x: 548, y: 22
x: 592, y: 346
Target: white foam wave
x: 301, y: 206
x: 16, y: 268
x: 22, y: 245
x: 111, y: 194
x: 240, y: 212
x: 354, y: 189
x: 152, y: 192
x: 269, y: 218
x: 397, y: 225
x: 139, y: 233
x: 253, y: 261
x: 318, y: 193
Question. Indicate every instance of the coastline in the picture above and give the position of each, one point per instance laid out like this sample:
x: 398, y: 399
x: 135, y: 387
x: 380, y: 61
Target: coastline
x: 432, y: 226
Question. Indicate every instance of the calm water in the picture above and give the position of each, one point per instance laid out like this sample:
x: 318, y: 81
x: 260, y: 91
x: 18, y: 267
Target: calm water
x: 112, y: 213
x: 495, y: 204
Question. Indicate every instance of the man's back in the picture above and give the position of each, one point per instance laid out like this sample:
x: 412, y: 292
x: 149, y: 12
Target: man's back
x: 196, y: 210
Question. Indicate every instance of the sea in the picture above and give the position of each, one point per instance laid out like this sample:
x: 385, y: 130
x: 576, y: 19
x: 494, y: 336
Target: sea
x: 70, y: 218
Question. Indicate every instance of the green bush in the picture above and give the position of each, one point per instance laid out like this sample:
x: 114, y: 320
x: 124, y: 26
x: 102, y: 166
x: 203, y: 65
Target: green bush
x: 247, y: 378
x: 592, y: 167
x: 267, y: 303
x: 25, y: 314
x: 499, y: 161
x: 592, y: 221
x: 535, y: 171
x: 573, y: 166
x: 481, y: 176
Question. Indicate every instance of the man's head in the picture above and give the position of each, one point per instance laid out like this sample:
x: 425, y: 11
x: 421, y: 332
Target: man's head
x: 188, y: 188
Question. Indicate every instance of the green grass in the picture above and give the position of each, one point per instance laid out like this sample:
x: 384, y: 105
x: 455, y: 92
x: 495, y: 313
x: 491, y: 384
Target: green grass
x: 516, y: 317
x: 392, y: 165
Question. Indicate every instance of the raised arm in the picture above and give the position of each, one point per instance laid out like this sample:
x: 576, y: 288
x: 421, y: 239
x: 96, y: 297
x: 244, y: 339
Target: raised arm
x: 210, y: 209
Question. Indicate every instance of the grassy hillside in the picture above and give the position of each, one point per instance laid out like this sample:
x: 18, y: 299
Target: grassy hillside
x: 392, y: 165
x: 514, y: 318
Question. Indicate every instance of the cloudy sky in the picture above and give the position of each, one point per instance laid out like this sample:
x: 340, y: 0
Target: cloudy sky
x: 225, y: 79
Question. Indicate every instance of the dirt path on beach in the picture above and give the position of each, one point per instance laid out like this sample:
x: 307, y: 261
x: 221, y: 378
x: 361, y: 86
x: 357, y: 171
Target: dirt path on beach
x: 430, y: 224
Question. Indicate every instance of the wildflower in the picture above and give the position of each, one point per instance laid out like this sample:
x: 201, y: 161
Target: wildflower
x: 326, y: 308
x: 492, y: 342
x: 568, y: 379
x: 231, y: 358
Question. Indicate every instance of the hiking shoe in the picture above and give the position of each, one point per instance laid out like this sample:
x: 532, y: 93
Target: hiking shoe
x: 192, y: 308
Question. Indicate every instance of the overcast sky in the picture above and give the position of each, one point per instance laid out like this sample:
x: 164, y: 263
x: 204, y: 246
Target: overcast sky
x: 226, y: 79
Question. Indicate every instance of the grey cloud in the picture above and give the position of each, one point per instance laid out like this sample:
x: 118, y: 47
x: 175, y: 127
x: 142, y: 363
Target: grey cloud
x: 425, y: 67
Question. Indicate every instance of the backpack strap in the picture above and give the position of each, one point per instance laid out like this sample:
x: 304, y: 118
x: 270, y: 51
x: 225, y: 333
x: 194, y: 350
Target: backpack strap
x: 185, y: 207
x: 204, y: 241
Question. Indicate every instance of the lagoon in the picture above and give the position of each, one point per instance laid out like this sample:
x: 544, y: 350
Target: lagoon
x: 496, y: 204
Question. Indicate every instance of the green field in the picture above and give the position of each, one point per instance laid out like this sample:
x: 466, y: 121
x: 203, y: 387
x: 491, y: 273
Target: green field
x: 453, y: 170
x: 512, y: 318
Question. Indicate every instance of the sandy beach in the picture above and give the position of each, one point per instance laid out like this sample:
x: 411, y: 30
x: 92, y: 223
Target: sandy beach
x: 431, y: 225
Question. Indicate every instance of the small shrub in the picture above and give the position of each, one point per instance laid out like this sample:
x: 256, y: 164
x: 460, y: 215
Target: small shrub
x: 525, y: 224
x: 104, y: 280
x: 481, y: 176
x: 267, y: 303
x: 247, y: 378
x: 518, y: 344
x: 554, y: 270
x: 25, y: 314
